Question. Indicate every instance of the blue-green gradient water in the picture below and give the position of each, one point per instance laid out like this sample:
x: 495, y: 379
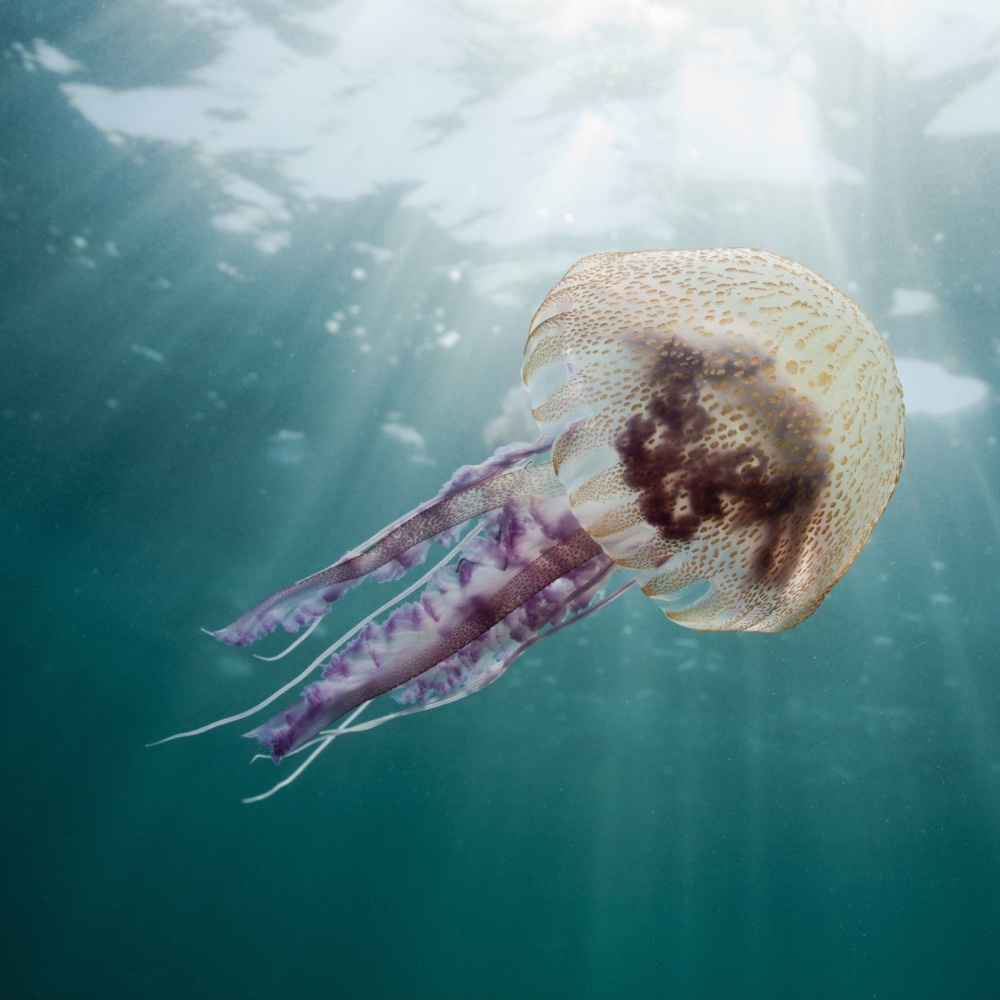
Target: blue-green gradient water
x: 265, y: 276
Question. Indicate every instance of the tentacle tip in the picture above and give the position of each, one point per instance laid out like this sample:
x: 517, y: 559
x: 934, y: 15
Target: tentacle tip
x: 230, y: 635
x: 276, y: 741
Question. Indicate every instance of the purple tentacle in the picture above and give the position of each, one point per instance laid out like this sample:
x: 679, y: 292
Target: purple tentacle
x: 533, y: 565
x: 472, y: 491
x: 485, y: 659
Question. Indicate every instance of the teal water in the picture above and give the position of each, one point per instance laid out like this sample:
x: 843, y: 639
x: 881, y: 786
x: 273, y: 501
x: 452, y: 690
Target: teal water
x: 265, y: 275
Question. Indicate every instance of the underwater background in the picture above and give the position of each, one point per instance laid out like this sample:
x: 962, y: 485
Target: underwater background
x: 266, y: 270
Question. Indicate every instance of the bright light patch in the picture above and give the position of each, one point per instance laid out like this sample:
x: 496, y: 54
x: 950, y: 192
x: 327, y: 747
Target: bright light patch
x: 351, y: 116
x: 404, y: 434
x: 976, y: 111
x: 45, y: 56
x: 926, y: 38
x: 932, y: 390
x: 911, y: 302
x: 740, y: 121
x: 571, y: 18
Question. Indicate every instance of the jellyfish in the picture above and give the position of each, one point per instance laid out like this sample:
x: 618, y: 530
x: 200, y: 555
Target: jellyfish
x: 721, y: 428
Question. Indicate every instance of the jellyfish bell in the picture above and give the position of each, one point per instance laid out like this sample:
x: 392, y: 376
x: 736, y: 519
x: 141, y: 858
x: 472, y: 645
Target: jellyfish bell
x: 721, y: 427
x: 729, y: 425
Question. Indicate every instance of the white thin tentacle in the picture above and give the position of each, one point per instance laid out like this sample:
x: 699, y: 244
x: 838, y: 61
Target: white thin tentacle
x: 297, y: 642
x: 291, y: 777
x: 323, y: 744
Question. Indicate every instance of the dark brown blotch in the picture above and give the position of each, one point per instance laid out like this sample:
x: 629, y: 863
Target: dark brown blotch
x: 685, y: 479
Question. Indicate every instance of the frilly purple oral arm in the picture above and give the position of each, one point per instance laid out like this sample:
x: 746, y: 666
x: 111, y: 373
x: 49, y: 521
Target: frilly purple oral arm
x: 494, y: 601
x: 472, y: 491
